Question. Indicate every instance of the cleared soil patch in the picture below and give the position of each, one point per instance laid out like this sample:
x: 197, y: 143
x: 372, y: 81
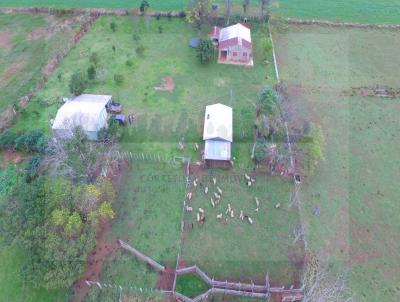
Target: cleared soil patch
x: 166, y: 279
x: 10, y: 72
x: 11, y: 156
x: 95, y: 259
x: 168, y: 84
x: 5, y: 40
x: 37, y: 33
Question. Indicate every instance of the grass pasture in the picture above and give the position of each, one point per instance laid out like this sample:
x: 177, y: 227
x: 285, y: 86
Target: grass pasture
x: 361, y: 11
x: 355, y: 187
x: 238, y: 250
x: 27, y: 42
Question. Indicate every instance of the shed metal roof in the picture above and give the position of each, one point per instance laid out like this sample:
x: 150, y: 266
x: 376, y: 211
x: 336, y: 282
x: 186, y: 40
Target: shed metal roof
x: 218, y: 122
x: 216, y: 149
x: 83, y: 111
x: 235, y: 31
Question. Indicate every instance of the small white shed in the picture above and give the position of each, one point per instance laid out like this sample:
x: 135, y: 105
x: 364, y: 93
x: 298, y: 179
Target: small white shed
x: 217, y: 132
x: 87, y: 111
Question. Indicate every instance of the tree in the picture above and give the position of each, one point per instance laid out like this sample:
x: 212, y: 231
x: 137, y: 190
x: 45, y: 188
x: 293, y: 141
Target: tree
x: 7, y: 139
x: 77, y: 83
x: 260, y: 149
x: 320, y: 283
x: 205, y: 50
x: 91, y: 72
x: 113, y: 26
x: 268, y: 101
x: 264, y: 7
x: 246, y: 4
x: 199, y: 13
x: 144, y: 5
x: 30, y: 141
x: 228, y: 10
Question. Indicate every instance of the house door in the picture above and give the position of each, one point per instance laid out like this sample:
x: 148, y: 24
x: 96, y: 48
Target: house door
x: 224, y: 54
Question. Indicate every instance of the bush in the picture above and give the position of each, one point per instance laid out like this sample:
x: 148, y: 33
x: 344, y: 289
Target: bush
x: 268, y: 101
x: 144, y: 5
x: 160, y: 29
x: 77, y: 83
x: 91, y: 72
x: 129, y: 63
x: 118, y: 78
x: 7, y: 139
x: 260, y: 150
x: 205, y: 50
x: 94, y: 58
x: 113, y: 26
x: 32, y: 167
x: 140, y: 50
x: 31, y: 141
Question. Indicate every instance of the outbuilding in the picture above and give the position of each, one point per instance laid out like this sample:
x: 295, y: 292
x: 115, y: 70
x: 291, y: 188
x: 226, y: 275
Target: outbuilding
x: 87, y: 111
x: 217, y: 132
x: 235, y: 46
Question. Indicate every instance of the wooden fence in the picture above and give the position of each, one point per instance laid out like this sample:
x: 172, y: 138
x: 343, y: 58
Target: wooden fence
x: 155, y: 265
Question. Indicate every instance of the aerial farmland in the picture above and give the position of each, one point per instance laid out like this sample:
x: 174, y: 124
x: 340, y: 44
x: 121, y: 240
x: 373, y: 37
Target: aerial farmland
x: 199, y: 151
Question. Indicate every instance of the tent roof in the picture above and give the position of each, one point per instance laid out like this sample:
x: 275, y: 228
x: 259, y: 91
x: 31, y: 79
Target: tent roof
x: 218, y: 122
x: 83, y: 111
x: 235, y: 31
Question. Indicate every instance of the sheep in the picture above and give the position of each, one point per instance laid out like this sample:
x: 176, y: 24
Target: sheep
x: 247, y: 177
x: 249, y: 183
x: 188, y: 208
x: 252, y: 180
x: 257, y: 202
x: 231, y: 162
x: 217, y: 196
x: 189, y: 195
x: 198, y: 217
x: 205, y: 190
x: 195, y: 183
x: 241, y: 216
x: 196, y: 146
x: 249, y: 220
x: 219, y: 190
x: 214, y: 181
x: 232, y: 215
x: 212, y: 203
x: 198, y: 163
x: 256, y: 210
x: 219, y: 216
x: 229, y: 207
x: 278, y: 205
x: 201, y: 210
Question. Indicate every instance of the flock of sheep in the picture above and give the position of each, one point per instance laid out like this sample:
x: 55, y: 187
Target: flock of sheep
x: 216, y: 193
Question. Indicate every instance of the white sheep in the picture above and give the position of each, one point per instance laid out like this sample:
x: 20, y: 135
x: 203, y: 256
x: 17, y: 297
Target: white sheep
x: 249, y: 183
x: 195, y: 183
x: 201, y: 210
x: 196, y: 146
x: 219, y: 190
x: 198, y: 217
x: 212, y: 203
x: 257, y: 202
x: 189, y: 196
x: 252, y: 180
x: 278, y: 205
x: 232, y: 215
x: 206, y: 190
x: 241, y: 216
x: 188, y: 208
x: 214, y: 181
x: 217, y: 196
x: 219, y: 216
x: 247, y: 176
x: 249, y: 220
x: 256, y: 210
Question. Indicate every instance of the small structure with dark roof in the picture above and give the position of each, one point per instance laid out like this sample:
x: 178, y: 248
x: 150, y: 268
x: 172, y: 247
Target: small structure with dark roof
x: 217, y: 132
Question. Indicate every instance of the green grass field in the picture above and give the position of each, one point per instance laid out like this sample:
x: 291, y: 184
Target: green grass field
x: 355, y: 187
x: 23, y: 55
x: 362, y: 11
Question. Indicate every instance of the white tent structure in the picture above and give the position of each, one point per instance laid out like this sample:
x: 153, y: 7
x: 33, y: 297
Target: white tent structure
x: 87, y: 111
x: 217, y: 132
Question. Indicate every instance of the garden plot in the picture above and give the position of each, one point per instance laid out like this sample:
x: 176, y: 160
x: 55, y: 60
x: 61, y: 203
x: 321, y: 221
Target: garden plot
x: 354, y: 188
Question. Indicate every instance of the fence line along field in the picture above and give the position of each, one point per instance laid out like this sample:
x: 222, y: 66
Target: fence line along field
x: 350, y: 210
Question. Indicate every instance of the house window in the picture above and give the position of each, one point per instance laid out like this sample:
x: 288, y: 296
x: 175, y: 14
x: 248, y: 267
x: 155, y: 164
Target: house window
x: 245, y: 54
x: 234, y: 54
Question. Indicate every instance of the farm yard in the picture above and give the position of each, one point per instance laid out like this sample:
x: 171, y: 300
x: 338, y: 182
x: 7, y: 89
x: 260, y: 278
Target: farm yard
x: 354, y: 187
x: 236, y: 222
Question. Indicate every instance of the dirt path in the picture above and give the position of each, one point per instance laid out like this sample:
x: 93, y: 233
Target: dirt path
x: 95, y: 259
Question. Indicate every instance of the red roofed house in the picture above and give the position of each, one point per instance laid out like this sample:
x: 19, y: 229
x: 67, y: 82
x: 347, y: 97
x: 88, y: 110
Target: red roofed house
x: 235, y: 46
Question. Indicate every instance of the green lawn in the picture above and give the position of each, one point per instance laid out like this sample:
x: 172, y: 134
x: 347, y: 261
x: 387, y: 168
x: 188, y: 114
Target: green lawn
x: 22, y: 59
x: 355, y: 187
x: 362, y: 11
